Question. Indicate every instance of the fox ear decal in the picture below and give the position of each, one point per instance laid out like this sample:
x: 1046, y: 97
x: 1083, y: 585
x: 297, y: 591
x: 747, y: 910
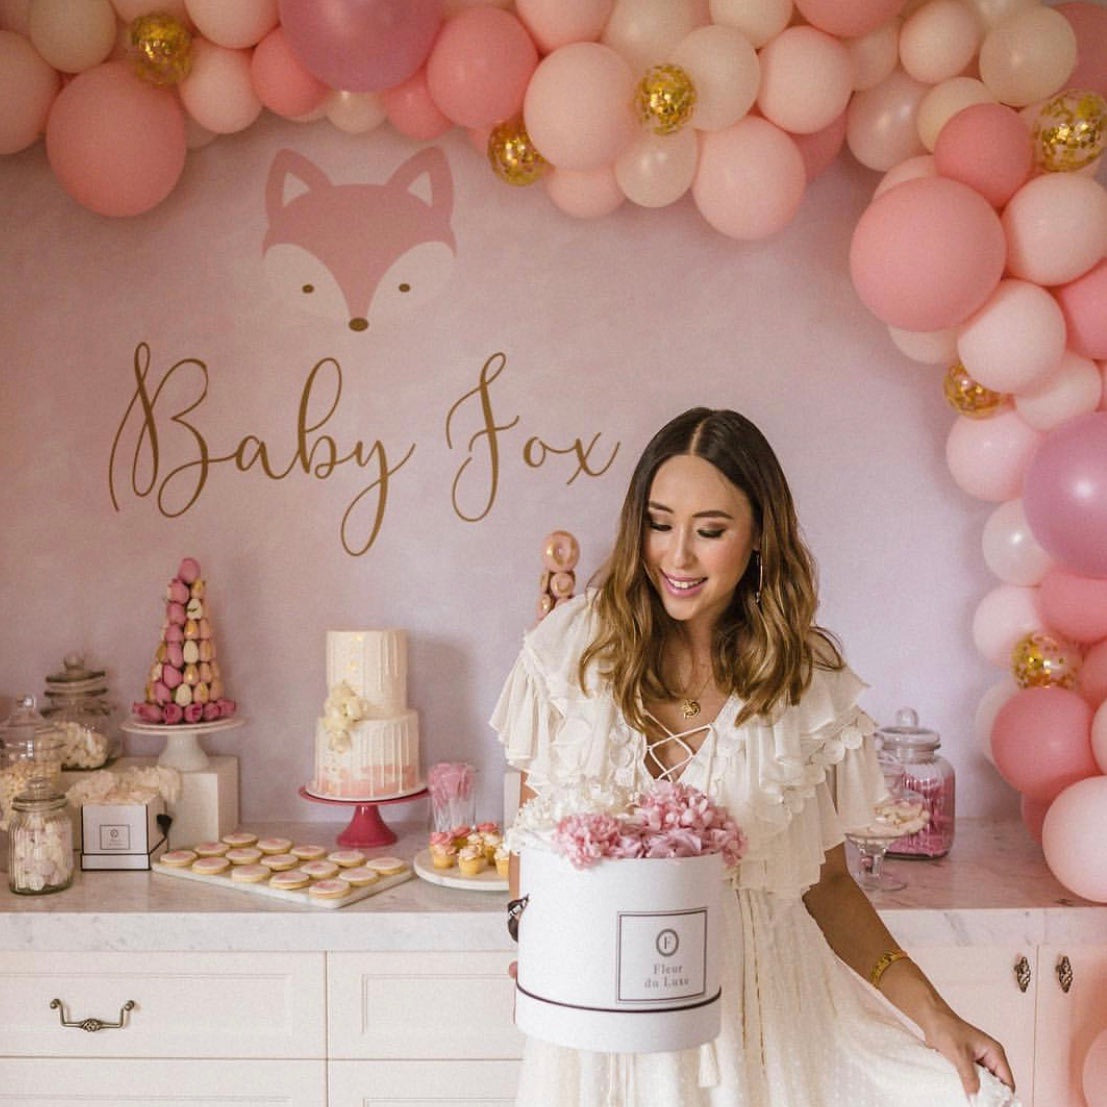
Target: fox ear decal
x: 432, y: 163
x: 286, y: 164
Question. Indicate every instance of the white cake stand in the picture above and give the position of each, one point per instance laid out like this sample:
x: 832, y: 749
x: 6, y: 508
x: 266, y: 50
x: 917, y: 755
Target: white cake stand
x: 182, y: 740
x: 366, y: 827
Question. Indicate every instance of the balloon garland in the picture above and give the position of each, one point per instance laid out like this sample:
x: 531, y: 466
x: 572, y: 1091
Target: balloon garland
x: 982, y: 250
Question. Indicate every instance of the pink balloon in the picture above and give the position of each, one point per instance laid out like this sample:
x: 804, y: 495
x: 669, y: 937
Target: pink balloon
x: 806, y: 80
x: 1083, y: 303
x: 1074, y: 388
x: 987, y: 147
x: 413, y: 112
x: 28, y: 86
x: 1093, y: 1077
x: 238, y: 25
x: 927, y: 254
x: 115, y: 142
x: 1074, y: 606
x: 283, y: 85
x: 988, y: 458
x: 555, y: 23
x: 1006, y: 614
x: 1073, y: 837
x: 921, y: 165
x: 1033, y: 815
x: 1010, y: 549
x: 361, y: 45
x: 1065, y: 494
x: 1016, y: 340
x: 219, y: 89
x: 819, y: 150
x: 750, y: 180
x: 1091, y: 681
x: 1041, y: 741
x: 1099, y: 738
x: 882, y: 122
x: 848, y: 18
x: 585, y: 193
x: 1089, y: 21
x: 578, y: 106
x: 479, y: 66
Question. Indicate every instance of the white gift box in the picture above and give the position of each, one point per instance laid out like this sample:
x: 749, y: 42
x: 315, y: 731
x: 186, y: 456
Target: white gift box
x: 622, y: 956
x: 121, y: 835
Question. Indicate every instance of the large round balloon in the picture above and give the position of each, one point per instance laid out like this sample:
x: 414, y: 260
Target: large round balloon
x: 115, y: 142
x: 1094, y: 1073
x: 1065, y: 494
x: 1073, y: 834
x: 1041, y: 741
x: 361, y: 45
x: 927, y: 253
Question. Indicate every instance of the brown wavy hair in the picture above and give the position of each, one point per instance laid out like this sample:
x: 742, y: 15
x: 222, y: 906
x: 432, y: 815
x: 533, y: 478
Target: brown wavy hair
x: 765, y: 651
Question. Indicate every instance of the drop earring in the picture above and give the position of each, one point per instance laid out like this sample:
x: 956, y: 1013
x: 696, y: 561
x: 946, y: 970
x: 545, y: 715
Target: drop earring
x: 760, y: 578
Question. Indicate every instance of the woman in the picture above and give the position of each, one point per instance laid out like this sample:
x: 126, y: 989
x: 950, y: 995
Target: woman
x: 698, y: 658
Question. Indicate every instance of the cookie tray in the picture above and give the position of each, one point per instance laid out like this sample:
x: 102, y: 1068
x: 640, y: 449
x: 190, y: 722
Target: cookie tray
x: 299, y: 895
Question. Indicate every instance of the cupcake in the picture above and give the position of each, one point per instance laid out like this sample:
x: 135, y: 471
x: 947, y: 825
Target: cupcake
x: 471, y: 860
x: 492, y: 840
x: 503, y: 861
x: 442, y: 850
x: 459, y: 835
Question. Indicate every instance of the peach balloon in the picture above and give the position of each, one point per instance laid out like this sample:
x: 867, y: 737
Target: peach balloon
x: 1056, y: 227
x: 28, y: 85
x: 355, y: 112
x: 1073, y: 837
x: 129, y: 10
x: 848, y: 18
x: 413, y: 112
x: 1028, y: 57
x: 554, y: 23
x: 72, y: 37
x: 479, y: 66
x: 1082, y: 303
x: 725, y: 71
x: 1041, y: 742
x: 1033, y: 815
x: 759, y: 22
x: 238, y: 25
x: 819, y: 150
x: 578, y: 106
x: 1093, y: 1073
x: 927, y: 254
x: 992, y: 12
x: 219, y: 90
x: 15, y: 15
x: 986, y: 710
x: 645, y: 32
x: 988, y: 458
x: 751, y: 179
x: 656, y: 170
x: 115, y: 142
x: 987, y: 147
x: 929, y: 347
x: 1016, y: 340
x: 882, y: 125
x: 283, y: 85
x: 874, y: 55
x: 806, y: 80
x: 585, y: 194
x: 1010, y: 549
x: 944, y: 101
x: 1074, y: 388
x: 1074, y: 606
x: 1003, y: 616
x: 911, y: 169
x: 1091, y: 681
x: 1089, y: 21
x: 939, y: 40
x: 1099, y: 737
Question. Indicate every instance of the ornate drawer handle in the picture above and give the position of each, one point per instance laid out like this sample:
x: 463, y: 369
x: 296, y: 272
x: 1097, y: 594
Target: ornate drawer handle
x: 92, y: 1025
x: 1064, y: 973
x: 1022, y: 973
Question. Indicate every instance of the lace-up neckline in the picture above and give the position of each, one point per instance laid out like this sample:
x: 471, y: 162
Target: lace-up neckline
x: 655, y: 766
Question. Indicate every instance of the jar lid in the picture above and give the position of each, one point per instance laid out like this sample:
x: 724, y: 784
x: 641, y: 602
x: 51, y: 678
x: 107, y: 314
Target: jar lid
x: 907, y: 734
x: 76, y: 679
x: 39, y: 795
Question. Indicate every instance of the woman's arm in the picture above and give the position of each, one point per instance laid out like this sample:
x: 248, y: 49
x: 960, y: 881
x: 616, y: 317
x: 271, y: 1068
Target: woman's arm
x: 858, y: 936
x: 525, y: 793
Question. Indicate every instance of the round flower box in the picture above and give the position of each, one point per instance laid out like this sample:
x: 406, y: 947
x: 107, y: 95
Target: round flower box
x: 622, y: 956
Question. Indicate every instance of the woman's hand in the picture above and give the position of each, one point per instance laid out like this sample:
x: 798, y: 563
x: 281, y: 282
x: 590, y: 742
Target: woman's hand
x: 965, y: 1047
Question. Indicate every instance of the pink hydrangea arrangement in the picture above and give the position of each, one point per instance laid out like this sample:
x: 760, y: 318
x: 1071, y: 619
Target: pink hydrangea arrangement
x: 668, y: 820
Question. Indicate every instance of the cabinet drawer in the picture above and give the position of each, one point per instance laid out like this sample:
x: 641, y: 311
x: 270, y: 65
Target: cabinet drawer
x: 71, y: 1083
x: 185, y: 1004
x: 411, y: 1005
x: 422, y: 1083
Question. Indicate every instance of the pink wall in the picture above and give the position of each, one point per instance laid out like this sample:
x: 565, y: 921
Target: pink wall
x: 586, y: 332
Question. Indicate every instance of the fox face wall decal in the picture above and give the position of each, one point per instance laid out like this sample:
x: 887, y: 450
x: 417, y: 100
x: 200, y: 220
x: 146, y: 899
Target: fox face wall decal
x: 359, y: 252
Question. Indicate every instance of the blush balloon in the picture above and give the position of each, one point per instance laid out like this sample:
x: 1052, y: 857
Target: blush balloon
x: 1091, y: 681
x: 1074, y: 606
x: 1082, y: 302
x: 28, y: 85
x: 1093, y: 1074
x: 283, y: 85
x: 1033, y: 814
x: 1089, y: 22
x: 1007, y: 613
x: 1073, y: 833
x: 987, y: 147
x: 988, y: 458
x: 412, y: 110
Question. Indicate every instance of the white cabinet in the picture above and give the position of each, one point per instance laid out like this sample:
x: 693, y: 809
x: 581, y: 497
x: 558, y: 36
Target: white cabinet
x: 422, y: 1083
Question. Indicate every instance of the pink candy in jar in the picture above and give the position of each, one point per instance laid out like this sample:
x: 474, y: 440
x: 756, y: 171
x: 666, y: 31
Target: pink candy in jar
x: 929, y: 775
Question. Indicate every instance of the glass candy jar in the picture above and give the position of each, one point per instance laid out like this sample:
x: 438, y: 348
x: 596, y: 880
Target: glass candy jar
x: 40, y: 841
x: 78, y: 706
x: 33, y: 747
x: 929, y: 775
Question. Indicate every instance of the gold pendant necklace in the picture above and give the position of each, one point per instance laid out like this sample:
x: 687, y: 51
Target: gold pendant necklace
x: 690, y: 705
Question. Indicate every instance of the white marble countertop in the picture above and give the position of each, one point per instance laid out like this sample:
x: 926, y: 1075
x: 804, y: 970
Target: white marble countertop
x: 993, y: 887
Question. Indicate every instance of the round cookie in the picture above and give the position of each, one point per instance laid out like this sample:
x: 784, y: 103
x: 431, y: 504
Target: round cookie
x: 319, y: 870
x: 308, y: 852
x: 279, y: 862
x: 347, y: 858
x: 387, y: 866
x: 249, y: 874
x: 211, y: 849
x: 274, y: 845
x: 289, y: 881
x: 240, y: 838
x: 178, y: 858
x: 245, y: 855
x: 329, y: 889
x: 210, y: 866
x: 359, y: 877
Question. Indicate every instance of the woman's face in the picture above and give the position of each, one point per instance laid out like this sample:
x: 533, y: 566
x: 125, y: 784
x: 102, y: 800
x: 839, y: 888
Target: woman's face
x: 700, y: 533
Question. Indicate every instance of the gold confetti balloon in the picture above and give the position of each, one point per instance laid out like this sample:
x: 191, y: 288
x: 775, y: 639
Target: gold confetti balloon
x: 160, y: 49
x: 967, y: 397
x: 1043, y: 660
x: 1070, y: 131
x: 512, y: 155
x: 665, y: 99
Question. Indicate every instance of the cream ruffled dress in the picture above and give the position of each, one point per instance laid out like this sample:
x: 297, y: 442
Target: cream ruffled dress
x: 799, y: 1028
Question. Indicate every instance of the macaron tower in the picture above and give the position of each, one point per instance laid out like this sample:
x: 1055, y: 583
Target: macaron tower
x: 184, y: 685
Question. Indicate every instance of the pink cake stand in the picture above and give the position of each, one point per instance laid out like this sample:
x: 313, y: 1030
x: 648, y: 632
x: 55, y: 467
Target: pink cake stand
x: 366, y: 828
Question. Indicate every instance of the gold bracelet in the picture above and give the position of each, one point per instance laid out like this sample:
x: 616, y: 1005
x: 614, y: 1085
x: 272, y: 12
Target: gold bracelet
x: 885, y: 962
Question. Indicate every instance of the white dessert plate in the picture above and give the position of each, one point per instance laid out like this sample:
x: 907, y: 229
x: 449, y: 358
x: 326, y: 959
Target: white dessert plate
x: 418, y: 790
x: 487, y: 881
x: 135, y: 726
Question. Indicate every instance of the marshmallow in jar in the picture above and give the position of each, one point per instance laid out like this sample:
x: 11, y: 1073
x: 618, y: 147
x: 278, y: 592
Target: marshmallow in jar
x: 40, y: 841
